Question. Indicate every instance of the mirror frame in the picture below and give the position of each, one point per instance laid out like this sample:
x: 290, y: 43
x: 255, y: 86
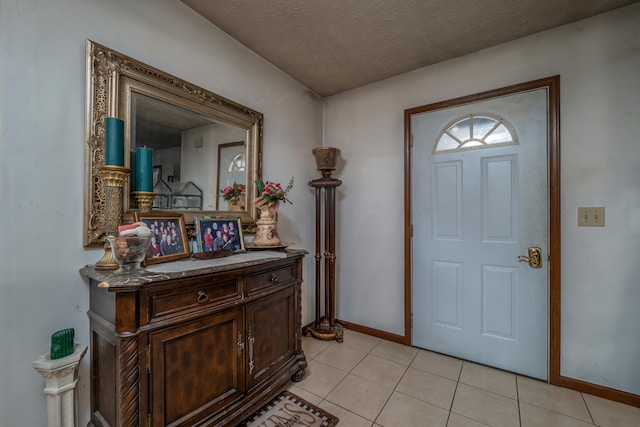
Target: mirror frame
x: 106, y: 71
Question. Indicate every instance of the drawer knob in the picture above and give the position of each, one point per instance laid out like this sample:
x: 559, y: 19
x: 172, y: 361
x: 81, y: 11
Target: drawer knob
x: 202, y: 297
x: 273, y: 278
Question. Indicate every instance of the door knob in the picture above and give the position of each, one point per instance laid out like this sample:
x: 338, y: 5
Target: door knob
x: 534, y: 259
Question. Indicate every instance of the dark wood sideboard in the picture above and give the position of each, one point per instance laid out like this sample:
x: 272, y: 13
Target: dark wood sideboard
x: 194, y: 347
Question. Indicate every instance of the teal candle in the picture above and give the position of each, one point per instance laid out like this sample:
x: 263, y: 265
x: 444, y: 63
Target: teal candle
x: 62, y: 343
x: 132, y: 174
x: 144, y: 169
x: 113, y: 141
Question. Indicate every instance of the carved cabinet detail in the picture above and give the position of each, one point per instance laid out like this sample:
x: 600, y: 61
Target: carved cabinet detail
x: 207, y: 349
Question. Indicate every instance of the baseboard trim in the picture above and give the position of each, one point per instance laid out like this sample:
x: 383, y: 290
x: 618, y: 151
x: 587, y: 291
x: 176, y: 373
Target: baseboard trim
x: 601, y: 391
x: 366, y: 330
x: 400, y: 339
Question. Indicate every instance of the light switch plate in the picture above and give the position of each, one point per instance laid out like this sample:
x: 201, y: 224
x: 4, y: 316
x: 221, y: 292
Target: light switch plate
x: 591, y: 217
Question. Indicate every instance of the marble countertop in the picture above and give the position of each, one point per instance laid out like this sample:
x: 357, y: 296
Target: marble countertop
x: 187, y: 267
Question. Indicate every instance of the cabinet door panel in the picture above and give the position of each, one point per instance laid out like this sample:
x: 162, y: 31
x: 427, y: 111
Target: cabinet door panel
x: 196, y: 368
x: 271, y: 323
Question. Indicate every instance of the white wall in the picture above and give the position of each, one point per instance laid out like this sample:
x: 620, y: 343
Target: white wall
x: 599, y: 63
x: 42, y: 181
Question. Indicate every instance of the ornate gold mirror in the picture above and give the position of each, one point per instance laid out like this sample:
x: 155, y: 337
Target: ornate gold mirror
x: 202, y: 142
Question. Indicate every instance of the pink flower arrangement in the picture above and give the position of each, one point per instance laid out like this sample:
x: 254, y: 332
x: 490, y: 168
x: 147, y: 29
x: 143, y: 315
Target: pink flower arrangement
x: 272, y: 191
x: 232, y: 191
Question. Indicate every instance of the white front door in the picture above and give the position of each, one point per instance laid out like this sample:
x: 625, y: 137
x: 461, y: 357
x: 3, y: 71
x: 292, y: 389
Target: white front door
x: 474, y: 212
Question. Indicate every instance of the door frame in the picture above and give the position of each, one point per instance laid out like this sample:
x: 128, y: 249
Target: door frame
x: 552, y: 84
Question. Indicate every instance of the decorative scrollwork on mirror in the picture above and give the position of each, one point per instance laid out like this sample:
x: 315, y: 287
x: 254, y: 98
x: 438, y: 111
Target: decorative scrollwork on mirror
x: 184, y: 123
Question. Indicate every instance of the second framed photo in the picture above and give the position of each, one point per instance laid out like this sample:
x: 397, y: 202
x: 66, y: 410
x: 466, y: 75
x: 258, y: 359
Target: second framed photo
x: 168, y: 236
x: 219, y: 234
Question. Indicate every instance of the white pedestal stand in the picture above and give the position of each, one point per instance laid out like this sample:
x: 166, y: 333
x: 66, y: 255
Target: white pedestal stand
x: 61, y: 377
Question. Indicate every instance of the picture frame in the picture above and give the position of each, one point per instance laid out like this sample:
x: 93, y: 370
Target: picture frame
x: 219, y: 233
x: 170, y: 229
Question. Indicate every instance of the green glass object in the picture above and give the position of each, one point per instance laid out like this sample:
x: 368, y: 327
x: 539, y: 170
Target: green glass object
x: 62, y: 343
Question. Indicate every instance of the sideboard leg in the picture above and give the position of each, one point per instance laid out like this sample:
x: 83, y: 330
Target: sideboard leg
x: 297, y: 377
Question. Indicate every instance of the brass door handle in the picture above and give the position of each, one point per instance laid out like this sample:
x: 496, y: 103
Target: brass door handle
x: 534, y: 259
x: 251, y: 341
x: 240, y: 344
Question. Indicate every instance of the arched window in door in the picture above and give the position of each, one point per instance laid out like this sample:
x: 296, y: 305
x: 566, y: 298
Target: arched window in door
x: 238, y: 163
x: 474, y: 131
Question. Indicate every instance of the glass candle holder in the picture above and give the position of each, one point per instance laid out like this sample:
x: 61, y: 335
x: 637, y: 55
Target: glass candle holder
x: 129, y: 251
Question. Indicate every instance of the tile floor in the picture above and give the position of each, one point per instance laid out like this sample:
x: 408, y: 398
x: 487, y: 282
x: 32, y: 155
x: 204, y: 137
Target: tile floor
x: 367, y: 381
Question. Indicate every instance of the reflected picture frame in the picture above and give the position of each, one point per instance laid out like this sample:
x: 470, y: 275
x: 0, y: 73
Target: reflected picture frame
x: 231, y: 166
x: 212, y: 225
x: 170, y: 229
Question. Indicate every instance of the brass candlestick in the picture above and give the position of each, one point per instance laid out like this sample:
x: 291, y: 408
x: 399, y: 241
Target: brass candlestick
x: 144, y: 199
x: 113, y: 178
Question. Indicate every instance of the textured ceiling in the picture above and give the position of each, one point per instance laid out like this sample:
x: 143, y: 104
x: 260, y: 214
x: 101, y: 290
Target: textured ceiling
x: 334, y: 45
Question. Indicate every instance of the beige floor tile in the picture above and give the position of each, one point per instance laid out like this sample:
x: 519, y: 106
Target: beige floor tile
x: 379, y: 370
x: 396, y: 352
x: 456, y: 420
x: 347, y: 418
x: 556, y: 399
x: 321, y: 378
x: 369, y: 382
x: 300, y: 392
x: 341, y: 357
x: 607, y: 413
x: 428, y: 387
x: 533, y: 416
x: 439, y: 364
x: 360, y: 341
x: 486, y: 407
x: 312, y: 347
x: 405, y: 411
x: 360, y: 396
x: 490, y: 379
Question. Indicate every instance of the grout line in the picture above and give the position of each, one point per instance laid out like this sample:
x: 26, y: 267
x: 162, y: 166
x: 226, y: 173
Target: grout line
x: 348, y: 410
x: 588, y: 410
x: 554, y: 411
x: 453, y: 398
x: 518, y: 400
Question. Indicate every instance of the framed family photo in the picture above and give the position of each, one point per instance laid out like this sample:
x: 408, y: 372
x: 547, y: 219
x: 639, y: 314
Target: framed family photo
x: 169, y: 239
x: 219, y: 233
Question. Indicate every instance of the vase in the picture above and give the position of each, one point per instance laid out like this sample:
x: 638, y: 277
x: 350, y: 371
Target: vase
x: 267, y: 232
x: 236, y: 203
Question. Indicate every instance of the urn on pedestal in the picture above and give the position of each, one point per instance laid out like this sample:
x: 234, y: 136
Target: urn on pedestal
x: 271, y: 194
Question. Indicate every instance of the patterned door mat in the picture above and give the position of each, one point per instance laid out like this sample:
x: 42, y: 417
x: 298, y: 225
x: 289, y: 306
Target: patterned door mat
x: 289, y: 410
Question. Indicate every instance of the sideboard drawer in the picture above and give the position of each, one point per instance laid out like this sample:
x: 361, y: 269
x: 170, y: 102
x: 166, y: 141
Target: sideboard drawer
x: 275, y: 277
x: 194, y: 297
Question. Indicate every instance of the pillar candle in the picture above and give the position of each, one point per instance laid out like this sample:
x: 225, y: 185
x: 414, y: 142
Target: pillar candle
x: 113, y: 141
x: 132, y: 174
x: 144, y: 169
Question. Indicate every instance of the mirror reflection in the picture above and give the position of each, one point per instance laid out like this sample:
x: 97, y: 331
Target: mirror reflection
x: 194, y: 156
x: 202, y: 142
